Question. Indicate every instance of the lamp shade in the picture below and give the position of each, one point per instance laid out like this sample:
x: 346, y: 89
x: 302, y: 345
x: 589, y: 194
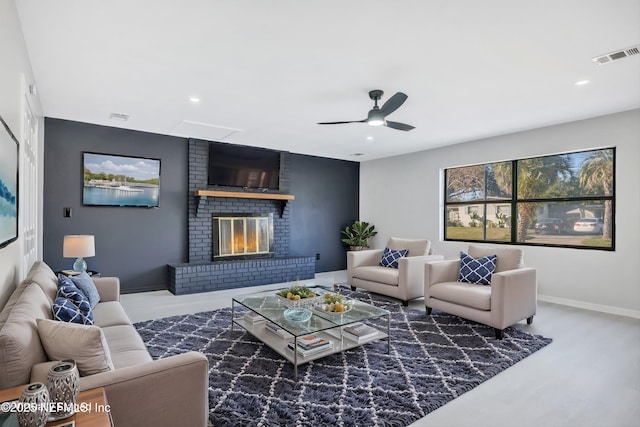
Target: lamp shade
x: 79, y: 246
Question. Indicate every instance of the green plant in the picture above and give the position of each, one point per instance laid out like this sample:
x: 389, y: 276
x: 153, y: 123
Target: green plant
x: 502, y: 219
x: 474, y: 218
x: 358, y: 233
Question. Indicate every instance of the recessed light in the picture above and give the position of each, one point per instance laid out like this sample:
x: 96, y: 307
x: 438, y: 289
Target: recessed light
x: 357, y: 154
x: 582, y: 82
x: 369, y: 138
x: 119, y: 116
x: 194, y: 99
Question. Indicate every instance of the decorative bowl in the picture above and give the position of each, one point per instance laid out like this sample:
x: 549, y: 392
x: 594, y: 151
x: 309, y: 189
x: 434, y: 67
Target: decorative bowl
x: 324, y: 308
x: 297, y: 314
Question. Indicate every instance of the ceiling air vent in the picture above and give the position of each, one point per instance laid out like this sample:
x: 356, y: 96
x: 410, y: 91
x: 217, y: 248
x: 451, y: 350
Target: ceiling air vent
x: 619, y: 54
x: 119, y: 116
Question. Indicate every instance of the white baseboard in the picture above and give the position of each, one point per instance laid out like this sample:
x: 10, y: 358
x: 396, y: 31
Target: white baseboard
x: 590, y: 306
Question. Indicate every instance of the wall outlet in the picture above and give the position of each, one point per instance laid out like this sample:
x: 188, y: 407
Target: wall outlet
x: 317, y: 257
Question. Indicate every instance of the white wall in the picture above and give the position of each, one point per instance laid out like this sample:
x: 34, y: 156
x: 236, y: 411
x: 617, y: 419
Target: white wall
x: 15, y: 77
x: 402, y: 197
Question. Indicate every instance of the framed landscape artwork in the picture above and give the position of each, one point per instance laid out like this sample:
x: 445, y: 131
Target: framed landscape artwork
x: 111, y: 180
x: 8, y: 185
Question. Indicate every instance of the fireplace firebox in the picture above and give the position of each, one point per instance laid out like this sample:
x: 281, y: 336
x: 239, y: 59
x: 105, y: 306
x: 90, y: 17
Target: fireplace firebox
x: 242, y: 236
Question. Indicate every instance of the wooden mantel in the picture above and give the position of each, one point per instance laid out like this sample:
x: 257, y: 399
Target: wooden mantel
x: 243, y: 195
x: 201, y: 197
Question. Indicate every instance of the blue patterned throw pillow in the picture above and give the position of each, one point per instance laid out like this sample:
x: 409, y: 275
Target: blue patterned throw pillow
x: 66, y: 311
x: 479, y: 270
x: 84, y: 282
x: 390, y: 257
x: 71, y: 305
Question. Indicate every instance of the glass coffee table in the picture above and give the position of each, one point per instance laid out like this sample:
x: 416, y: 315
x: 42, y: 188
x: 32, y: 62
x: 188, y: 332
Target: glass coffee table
x: 264, y: 318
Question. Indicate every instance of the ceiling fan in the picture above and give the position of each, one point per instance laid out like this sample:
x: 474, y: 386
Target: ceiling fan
x: 377, y: 115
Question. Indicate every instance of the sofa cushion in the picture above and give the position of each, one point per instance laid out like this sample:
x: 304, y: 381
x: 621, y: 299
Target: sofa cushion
x: 85, y: 284
x: 416, y: 247
x: 110, y: 313
x: 20, y: 346
x: 461, y: 293
x: 126, y: 346
x: 49, y: 288
x: 378, y: 274
x: 476, y: 270
x: 46, y: 279
x: 390, y: 257
x: 508, y: 258
x: 83, y: 343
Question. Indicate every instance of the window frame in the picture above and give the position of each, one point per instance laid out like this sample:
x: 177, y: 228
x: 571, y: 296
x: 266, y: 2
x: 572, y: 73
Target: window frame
x: 516, y: 201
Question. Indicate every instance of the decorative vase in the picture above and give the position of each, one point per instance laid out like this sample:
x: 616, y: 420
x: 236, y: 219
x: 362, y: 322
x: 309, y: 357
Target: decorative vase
x: 35, y: 406
x: 63, y: 384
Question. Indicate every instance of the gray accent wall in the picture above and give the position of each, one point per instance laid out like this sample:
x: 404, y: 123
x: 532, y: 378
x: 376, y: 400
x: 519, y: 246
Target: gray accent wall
x: 137, y: 244
x: 327, y: 200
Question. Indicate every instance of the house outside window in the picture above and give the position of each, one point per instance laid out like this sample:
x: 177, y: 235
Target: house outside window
x: 565, y: 200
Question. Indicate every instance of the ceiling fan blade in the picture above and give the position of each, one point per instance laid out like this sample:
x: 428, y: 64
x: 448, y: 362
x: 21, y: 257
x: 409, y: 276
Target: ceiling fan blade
x: 340, y: 123
x: 393, y: 103
x: 399, y: 126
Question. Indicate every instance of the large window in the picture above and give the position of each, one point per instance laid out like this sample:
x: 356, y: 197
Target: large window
x: 563, y: 200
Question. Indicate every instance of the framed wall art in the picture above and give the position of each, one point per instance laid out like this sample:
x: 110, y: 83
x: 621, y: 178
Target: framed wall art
x: 111, y: 180
x: 9, y: 150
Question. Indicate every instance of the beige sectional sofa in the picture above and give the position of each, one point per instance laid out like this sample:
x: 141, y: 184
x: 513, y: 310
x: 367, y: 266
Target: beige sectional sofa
x: 141, y: 392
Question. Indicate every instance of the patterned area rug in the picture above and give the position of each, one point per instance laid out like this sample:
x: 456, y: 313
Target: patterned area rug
x: 433, y: 360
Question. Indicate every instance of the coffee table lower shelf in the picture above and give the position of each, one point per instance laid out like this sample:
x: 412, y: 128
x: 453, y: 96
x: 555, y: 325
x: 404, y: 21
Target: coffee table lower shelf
x: 281, y: 344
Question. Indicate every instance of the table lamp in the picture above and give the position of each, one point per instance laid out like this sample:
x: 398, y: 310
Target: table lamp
x: 79, y: 247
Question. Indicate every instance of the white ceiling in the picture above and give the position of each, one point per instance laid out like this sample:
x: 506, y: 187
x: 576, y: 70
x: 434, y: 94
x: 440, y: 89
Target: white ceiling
x: 266, y: 71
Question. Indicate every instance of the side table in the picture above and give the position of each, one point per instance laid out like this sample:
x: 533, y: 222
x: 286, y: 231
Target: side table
x: 95, y: 408
x: 70, y: 273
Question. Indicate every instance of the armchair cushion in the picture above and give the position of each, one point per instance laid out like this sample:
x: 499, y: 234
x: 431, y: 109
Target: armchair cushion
x: 508, y: 258
x: 416, y: 247
x: 476, y: 270
x: 390, y: 257
x: 379, y: 274
x: 464, y: 294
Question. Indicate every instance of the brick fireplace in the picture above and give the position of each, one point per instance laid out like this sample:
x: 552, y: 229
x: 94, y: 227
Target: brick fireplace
x: 208, y: 271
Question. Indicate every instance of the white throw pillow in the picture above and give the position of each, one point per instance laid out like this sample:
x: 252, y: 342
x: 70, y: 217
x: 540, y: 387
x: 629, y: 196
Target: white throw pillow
x: 85, y: 344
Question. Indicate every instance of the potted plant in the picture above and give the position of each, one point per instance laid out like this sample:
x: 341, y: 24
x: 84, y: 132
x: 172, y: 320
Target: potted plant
x: 356, y: 235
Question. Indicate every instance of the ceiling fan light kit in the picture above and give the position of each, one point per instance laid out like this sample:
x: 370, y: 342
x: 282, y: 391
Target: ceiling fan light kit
x: 377, y: 115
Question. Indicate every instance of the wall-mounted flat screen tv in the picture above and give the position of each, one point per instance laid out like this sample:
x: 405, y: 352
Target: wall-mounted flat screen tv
x: 241, y: 166
x: 112, y: 180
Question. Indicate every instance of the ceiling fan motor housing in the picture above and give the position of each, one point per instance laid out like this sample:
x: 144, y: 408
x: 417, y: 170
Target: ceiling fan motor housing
x: 376, y: 94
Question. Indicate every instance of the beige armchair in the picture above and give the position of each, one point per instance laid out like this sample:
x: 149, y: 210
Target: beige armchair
x: 404, y: 283
x: 511, y: 296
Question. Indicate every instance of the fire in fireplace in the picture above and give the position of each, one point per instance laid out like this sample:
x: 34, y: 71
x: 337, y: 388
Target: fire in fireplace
x: 242, y: 235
